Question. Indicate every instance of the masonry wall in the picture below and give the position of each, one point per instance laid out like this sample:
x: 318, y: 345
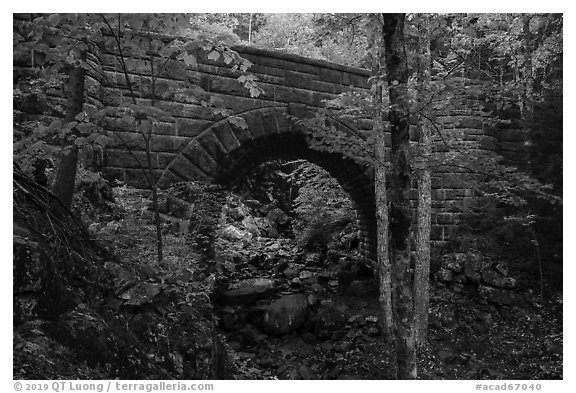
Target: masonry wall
x: 193, y: 142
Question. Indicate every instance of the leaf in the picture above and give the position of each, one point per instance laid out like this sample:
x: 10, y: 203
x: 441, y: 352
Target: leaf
x: 146, y: 126
x: 190, y: 60
x: 214, y: 55
x: 227, y: 58
x: 54, y: 19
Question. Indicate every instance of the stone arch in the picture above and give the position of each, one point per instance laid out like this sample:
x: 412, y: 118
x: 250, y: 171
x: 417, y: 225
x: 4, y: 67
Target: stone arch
x: 223, y: 152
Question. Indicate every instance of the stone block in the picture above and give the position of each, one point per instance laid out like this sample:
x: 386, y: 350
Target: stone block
x: 324, y: 87
x: 469, y: 122
x: 269, y: 122
x: 244, y: 134
x: 138, y: 177
x: 229, y: 86
x: 292, y: 95
x: 249, y: 291
x: 180, y: 109
x: 212, y: 145
x: 124, y: 159
x: 297, y: 79
x: 437, y: 232
x: 128, y: 141
x: 226, y: 136
x: 359, y: 80
x: 201, y: 158
x: 329, y: 75
x: 165, y: 143
x: 286, y: 314
x: 444, y: 218
x: 164, y: 159
x: 165, y: 128
x: 191, y: 127
x: 308, y: 68
x: 184, y: 169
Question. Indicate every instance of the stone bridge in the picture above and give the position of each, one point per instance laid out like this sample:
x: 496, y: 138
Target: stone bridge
x: 196, y: 143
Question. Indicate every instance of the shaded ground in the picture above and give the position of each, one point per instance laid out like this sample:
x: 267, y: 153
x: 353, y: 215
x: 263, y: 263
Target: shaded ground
x: 468, y: 340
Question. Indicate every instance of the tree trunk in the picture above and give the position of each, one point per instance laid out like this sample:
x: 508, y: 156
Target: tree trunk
x: 399, y: 196
x: 250, y: 29
x: 383, y: 253
x: 422, y: 270
x: 384, y: 275
x: 66, y: 173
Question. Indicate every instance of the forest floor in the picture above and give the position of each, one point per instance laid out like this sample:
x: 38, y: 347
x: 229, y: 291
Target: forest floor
x: 467, y: 339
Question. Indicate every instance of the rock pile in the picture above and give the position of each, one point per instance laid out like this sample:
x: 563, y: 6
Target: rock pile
x: 475, y: 273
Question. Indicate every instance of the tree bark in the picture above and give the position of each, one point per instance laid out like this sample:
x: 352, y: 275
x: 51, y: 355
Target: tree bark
x: 399, y: 196
x: 384, y: 272
x: 66, y: 172
x: 422, y: 270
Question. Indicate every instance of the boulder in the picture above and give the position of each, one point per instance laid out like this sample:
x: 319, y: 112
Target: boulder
x: 474, y: 265
x: 312, y: 259
x: 251, y: 226
x: 232, y: 233
x: 495, y: 279
x: 141, y: 293
x: 286, y: 314
x: 291, y: 271
x: 454, y: 262
x: 249, y: 291
x: 277, y: 217
x: 329, y: 318
x: 499, y: 295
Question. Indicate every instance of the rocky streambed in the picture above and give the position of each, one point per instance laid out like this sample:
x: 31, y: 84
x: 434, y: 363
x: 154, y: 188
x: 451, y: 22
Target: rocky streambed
x: 287, y: 313
x: 292, y: 319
